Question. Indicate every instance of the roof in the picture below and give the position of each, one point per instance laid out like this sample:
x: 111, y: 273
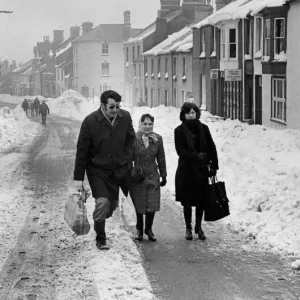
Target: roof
x: 173, y: 42
x: 23, y: 68
x: 27, y: 72
x: 64, y: 64
x: 108, y: 33
x: 65, y: 47
x: 239, y: 9
x: 152, y: 27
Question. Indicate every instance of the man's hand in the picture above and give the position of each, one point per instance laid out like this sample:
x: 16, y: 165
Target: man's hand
x: 202, y: 157
x: 163, y: 181
x: 78, y: 186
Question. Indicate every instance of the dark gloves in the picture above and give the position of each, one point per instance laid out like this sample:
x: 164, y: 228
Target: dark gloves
x: 202, y: 157
x: 163, y: 181
x: 212, y: 172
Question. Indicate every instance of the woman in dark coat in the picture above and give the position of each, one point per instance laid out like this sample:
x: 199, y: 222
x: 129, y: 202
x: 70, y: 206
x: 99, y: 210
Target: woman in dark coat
x: 197, y: 161
x: 149, y: 151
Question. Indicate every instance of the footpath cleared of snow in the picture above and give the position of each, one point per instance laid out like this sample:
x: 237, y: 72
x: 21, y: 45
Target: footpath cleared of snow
x: 259, y: 165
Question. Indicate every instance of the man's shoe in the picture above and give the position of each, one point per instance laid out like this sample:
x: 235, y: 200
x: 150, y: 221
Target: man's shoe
x: 150, y: 235
x: 201, y: 235
x: 188, y: 234
x: 101, y: 244
x: 139, y: 235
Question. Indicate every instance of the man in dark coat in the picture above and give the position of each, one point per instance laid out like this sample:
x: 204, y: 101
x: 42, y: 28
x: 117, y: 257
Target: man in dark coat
x: 36, y: 105
x: 44, y: 110
x: 104, y: 153
x: 197, y: 161
x: 25, y: 106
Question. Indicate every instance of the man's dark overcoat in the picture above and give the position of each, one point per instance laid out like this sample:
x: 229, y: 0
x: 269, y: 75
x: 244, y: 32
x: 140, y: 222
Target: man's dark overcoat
x: 104, y: 152
x: 191, y: 177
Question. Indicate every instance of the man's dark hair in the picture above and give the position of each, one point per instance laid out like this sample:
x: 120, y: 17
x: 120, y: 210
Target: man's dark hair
x: 186, y: 108
x: 145, y: 116
x: 110, y: 94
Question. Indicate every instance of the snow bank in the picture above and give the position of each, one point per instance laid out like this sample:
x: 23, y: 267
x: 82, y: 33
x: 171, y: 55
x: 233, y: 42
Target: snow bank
x: 15, y: 128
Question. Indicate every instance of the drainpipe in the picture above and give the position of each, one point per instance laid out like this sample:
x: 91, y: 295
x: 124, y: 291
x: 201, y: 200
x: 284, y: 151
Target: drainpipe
x: 243, y: 69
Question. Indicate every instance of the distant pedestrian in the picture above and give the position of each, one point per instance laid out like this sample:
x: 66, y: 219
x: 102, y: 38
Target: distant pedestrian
x: 141, y: 103
x: 25, y: 106
x: 104, y: 153
x: 32, y: 108
x: 36, y: 105
x: 198, y: 160
x: 149, y: 152
x: 44, y: 110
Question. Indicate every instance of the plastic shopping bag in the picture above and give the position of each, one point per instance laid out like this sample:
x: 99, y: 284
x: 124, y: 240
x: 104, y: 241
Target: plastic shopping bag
x: 76, y: 213
x: 127, y: 209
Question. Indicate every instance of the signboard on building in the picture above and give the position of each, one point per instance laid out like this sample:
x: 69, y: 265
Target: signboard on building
x: 233, y: 75
x: 214, y: 74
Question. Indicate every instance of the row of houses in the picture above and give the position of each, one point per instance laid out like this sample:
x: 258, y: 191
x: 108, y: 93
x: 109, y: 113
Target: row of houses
x: 239, y: 61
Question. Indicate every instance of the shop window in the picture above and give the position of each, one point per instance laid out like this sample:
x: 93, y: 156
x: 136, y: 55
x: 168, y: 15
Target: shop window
x: 278, y: 106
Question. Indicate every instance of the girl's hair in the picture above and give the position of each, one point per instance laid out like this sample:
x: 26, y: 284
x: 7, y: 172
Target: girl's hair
x: 186, y: 108
x: 145, y: 116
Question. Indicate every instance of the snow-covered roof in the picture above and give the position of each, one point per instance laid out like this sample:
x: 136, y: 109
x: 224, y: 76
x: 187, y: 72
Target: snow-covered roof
x: 67, y: 76
x: 176, y: 39
x: 27, y: 72
x: 62, y: 50
x: 239, y: 9
x: 152, y: 27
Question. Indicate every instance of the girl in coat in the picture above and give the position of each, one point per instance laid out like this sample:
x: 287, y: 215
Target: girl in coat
x: 197, y: 161
x: 149, y: 151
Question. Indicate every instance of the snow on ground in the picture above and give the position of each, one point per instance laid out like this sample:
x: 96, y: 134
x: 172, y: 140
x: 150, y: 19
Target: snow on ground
x: 260, y: 166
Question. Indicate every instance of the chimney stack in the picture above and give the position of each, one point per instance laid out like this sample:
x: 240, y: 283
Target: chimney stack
x: 58, y: 36
x: 86, y: 27
x: 127, y: 19
x: 166, y: 6
x: 74, y: 32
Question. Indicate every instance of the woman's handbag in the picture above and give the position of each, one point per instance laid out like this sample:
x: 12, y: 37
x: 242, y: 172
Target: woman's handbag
x: 217, y: 206
x: 137, y: 172
x: 76, y: 213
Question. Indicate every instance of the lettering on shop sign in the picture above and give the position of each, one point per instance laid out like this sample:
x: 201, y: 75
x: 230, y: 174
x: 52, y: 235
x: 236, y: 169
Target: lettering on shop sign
x: 233, y: 75
x: 214, y: 74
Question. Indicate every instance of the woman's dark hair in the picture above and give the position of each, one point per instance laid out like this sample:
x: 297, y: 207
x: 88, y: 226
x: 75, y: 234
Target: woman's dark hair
x: 145, y: 116
x: 110, y: 94
x: 186, y: 108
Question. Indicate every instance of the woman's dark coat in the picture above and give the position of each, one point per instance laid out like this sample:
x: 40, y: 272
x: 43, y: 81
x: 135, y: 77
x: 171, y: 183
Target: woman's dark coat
x: 191, y: 178
x: 146, y: 194
x: 104, y: 152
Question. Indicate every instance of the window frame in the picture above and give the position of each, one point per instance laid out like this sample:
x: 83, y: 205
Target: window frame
x: 276, y: 99
x: 103, y: 64
x: 184, y: 66
x: 280, y: 38
x: 267, y: 39
x: 259, y: 35
x: 235, y: 43
x: 105, y: 46
x: 166, y: 65
x: 174, y: 65
x: 223, y: 44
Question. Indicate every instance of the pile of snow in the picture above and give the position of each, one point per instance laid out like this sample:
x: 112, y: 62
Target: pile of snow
x: 15, y: 128
x: 73, y: 105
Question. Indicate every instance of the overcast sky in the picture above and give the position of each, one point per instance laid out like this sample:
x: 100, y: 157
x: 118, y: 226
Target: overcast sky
x: 33, y: 19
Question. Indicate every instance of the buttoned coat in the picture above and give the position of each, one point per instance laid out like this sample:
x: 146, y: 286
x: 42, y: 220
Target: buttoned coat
x: 104, y: 151
x: 146, y: 194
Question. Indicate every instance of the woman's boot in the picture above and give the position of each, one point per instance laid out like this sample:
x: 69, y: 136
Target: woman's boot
x: 187, y: 212
x: 198, y: 229
x: 139, y: 227
x: 148, y: 227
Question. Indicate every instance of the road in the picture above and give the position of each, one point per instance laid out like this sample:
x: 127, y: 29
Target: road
x: 224, y: 267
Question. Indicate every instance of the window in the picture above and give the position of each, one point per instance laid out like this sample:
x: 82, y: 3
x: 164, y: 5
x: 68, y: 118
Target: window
x: 127, y: 52
x: 174, y: 66
x: 146, y: 66
x: 183, y: 66
x: 146, y: 95
x: 267, y: 36
x: 208, y: 2
x: 258, y: 35
x: 134, y: 70
x: 158, y: 96
x: 232, y: 43
x: 158, y: 65
x: 152, y: 66
x: 105, y: 48
x: 203, y: 42
x: 278, y: 110
x: 174, y: 97
x: 182, y: 96
x: 279, y: 36
x: 166, y: 65
x: 214, y: 37
x: 166, y: 97
x: 249, y: 42
x: 105, y: 68
x: 138, y: 51
x: 152, y: 97
x: 140, y: 70
x: 223, y: 48
x: 133, y: 52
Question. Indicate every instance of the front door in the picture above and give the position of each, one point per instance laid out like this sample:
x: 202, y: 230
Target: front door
x: 258, y: 100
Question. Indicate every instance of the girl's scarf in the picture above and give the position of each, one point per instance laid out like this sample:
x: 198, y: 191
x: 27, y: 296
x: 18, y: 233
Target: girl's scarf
x: 146, y: 135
